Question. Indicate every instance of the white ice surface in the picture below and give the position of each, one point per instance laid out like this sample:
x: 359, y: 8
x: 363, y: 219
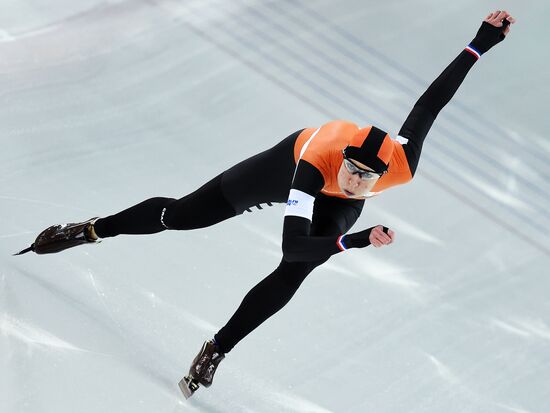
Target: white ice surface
x: 107, y: 103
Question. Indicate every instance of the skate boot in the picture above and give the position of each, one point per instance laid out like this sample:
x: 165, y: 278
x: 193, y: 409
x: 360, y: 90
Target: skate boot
x: 60, y: 237
x: 202, y: 369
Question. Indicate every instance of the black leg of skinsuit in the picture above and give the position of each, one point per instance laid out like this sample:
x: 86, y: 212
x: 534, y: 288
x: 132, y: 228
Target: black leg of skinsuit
x: 261, y: 179
x: 331, y: 216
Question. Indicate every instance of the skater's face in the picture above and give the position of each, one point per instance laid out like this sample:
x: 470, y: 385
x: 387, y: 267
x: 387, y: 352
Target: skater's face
x: 354, y: 178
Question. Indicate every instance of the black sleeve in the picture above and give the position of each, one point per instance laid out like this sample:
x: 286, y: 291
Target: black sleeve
x: 298, y: 244
x: 438, y: 94
x: 444, y: 87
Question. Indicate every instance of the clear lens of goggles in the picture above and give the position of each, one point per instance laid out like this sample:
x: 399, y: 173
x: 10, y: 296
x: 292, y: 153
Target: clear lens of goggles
x: 364, y: 175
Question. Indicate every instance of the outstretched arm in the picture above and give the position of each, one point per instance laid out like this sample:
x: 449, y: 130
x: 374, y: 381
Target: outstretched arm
x: 492, y: 31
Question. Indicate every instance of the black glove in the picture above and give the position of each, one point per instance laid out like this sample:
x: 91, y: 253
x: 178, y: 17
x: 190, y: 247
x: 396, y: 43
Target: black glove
x: 359, y: 239
x: 488, y: 35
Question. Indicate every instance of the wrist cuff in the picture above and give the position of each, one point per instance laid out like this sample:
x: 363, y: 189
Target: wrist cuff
x: 472, y: 50
x: 340, y: 243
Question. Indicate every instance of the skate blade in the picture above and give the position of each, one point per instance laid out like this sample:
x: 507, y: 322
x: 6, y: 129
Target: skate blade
x: 31, y: 248
x: 188, y: 386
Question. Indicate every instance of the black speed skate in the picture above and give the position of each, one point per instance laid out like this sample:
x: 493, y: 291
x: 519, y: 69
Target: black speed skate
x: 202, y: 369
x: 60, y: 237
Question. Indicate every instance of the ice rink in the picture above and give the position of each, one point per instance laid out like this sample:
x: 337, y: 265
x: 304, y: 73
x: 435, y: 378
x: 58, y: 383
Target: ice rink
x: 107, y: 103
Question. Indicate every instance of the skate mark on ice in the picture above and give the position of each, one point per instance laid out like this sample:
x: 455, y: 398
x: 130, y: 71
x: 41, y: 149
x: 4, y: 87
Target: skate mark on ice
x: 509, y: 328
x: 263, y: 234
x: 492, y: 191
x: 33, y: 335
x: 536, y: 327
x: 368, y: 266
x: 464, y: 387
x: 407, y: 228
x: 335, y: 268
x: 69, y: 300
x: 382, y: 270
x: 171, y: 309
x: 128, y: 347
x: 524, y: 327
x: 293, y: 403
x: 513, y: 409
x: 443, y: 370
x: 6, y: 36
x: 101, y: 295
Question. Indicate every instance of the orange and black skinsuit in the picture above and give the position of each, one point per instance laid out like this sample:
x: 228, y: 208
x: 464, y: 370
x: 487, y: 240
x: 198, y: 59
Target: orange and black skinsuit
x: 314, y: 231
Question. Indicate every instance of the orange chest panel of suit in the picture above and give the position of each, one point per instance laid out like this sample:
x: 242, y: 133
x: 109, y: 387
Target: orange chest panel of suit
x: 322, y: 147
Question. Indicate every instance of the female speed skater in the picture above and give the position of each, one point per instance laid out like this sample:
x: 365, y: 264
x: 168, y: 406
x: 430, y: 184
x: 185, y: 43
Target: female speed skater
x: 323, y: 174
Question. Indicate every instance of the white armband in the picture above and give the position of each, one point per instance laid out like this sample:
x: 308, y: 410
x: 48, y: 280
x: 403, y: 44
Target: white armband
x: 299, y: 204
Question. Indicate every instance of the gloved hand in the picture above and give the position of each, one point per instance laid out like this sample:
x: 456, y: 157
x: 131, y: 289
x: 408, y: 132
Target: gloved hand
x: 493, y: 30
x: 377, y: 236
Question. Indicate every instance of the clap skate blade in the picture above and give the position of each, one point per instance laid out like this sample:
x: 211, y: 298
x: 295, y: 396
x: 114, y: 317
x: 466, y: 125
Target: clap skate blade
x: 188, y: 386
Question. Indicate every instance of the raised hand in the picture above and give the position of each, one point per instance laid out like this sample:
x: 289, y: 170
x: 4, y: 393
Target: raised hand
x: 493, y: 30
x: 497, y: 18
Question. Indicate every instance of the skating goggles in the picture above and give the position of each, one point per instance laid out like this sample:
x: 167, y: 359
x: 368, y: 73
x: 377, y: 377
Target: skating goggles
x: 363, y: 174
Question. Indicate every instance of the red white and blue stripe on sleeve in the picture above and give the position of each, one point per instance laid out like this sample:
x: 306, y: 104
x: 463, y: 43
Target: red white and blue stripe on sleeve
x: 472, y: 50
x: 340, y: 242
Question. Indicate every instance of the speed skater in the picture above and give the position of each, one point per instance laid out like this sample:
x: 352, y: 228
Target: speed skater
x: 323, y: 174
